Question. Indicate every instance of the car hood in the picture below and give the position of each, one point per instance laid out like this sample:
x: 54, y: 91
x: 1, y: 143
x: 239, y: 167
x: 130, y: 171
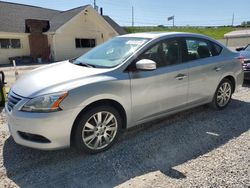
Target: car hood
x: 56, y: 77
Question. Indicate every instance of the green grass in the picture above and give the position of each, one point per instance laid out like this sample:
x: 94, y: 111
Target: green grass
x: 214, y: 32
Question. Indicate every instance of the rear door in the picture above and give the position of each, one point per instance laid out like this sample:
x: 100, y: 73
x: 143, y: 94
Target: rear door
x: 205, y: 68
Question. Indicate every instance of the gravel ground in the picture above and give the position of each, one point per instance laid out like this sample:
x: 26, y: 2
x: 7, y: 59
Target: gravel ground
x: 196, y: 148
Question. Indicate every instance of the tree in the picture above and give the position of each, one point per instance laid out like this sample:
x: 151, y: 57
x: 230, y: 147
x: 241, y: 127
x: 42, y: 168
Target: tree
x: 245, y: 23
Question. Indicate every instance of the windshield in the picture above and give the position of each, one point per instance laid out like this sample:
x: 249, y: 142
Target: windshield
x: 111, y: 53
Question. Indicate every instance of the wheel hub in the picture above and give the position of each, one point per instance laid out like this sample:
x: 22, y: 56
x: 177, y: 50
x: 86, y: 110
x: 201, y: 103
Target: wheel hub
x: 100, y: 130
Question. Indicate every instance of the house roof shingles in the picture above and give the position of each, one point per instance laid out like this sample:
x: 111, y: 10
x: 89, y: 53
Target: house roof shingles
x: 62, y: 17
x: 13, y: 16
x: 114, y: 25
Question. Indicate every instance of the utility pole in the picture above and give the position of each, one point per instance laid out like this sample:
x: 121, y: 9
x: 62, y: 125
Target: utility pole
x: 233, y: 20
x: 133, y: 21
x: 173, y: 21
x: 95, y: 6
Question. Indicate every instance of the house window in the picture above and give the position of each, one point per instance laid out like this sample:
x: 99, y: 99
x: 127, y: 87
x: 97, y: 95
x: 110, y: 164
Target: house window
x: 15, y: 43
x: 10, y: 43
x: 84, y: 43
x: 4, y: 43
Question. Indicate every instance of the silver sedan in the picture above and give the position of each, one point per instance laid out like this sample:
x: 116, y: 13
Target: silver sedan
x: 129, y: 80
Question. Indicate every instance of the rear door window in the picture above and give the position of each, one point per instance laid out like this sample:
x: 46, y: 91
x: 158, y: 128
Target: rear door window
x: 200, y: 48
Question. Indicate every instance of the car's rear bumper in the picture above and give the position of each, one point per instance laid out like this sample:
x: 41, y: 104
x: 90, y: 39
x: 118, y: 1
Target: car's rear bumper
x: 239, y: 80
x: 247, y: 75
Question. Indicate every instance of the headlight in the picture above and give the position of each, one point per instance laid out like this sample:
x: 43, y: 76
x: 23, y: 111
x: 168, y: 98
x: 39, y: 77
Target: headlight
x: 45, y: 103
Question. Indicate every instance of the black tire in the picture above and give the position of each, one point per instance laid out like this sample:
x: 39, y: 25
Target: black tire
x: 80, y: 125
x: 215, y: 103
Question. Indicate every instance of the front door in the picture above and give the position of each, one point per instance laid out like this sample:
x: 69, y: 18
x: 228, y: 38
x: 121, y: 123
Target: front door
x: 164, y: 89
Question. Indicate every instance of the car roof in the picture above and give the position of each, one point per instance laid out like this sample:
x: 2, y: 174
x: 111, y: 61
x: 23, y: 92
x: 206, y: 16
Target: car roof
x: 153, y: 35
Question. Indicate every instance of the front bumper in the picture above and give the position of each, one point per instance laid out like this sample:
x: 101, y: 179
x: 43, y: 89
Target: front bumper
x: 56, y: 127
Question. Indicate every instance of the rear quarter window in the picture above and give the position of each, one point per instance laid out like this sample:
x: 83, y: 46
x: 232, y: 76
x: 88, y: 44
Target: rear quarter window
x: 217, y: 49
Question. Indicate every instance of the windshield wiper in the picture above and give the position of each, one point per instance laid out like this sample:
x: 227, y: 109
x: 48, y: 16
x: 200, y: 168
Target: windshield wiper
x: 72, y: 60
x: 85, y: 65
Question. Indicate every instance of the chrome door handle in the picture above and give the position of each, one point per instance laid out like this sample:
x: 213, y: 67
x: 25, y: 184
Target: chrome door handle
x: 217, y: 69
x: 180, y: 76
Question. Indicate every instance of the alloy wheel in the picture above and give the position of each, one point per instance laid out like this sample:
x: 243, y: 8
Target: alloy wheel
x: 99, y: 130
x: 224, y: 94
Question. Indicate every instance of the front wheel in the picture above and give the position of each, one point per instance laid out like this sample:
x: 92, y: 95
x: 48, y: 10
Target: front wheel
x: 223, y: 95
x: 97, y: 129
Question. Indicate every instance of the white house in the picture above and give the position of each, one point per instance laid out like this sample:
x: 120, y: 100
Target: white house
x: 51, y: 34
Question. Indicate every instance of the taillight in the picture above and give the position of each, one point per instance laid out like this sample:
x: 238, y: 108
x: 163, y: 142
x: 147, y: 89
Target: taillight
x: 241, y: 59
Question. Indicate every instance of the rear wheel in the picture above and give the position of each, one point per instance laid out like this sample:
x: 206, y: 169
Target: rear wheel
x: 222, y: 95
x: 97, y: 129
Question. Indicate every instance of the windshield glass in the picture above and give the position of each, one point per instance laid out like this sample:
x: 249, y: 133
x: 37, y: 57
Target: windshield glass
x: 111, y: 53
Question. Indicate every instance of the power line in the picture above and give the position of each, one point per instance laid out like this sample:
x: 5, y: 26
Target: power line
x: 185, y: 22
x: 158, y: 15
x: 149, y: 15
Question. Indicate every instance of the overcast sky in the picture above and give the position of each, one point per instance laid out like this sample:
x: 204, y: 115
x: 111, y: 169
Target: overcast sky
x: 155, y: 12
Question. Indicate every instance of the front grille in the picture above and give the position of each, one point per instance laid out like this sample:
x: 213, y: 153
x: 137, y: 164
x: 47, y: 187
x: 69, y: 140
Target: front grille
x: 13, y: 99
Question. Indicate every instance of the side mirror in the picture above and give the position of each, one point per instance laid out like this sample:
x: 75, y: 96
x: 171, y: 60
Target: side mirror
x: 239, y: 49
x: 146, y: 65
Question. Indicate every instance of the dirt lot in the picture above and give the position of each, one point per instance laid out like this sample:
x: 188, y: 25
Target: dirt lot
x: 196, y: 148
